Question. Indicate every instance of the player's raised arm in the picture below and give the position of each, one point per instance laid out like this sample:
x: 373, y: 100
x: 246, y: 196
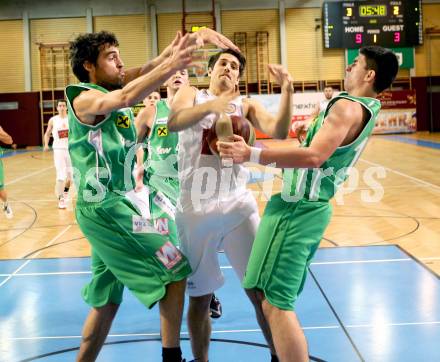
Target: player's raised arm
x: 144, y: 121
x: 92, y: 103
x: 185, y: 114
x: 201, y: 37
x: 274, y: 126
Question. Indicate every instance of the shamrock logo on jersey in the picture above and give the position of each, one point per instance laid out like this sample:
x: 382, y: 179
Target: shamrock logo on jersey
x: 162, y: 131
x: 123, y: 121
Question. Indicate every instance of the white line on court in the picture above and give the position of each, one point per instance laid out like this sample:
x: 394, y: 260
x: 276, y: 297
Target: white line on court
x: 436, y: 187
x: 230, y: 267
x: 362, y: 261
x: 28, y: 175
x: 381, y: 325
x: 157, y: 334
x: 36, y: 254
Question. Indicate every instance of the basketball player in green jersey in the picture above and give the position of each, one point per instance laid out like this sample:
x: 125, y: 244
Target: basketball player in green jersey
x: 6, y: 139
x: 295, y: 220
x: 126, y: 249
x: 161, y: 173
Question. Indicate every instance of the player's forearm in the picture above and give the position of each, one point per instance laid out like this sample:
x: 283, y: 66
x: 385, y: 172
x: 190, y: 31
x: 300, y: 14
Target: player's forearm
x: 139, y: 157
x: 283, y: 118
x: 187, y: 117
x: 291, y: 157
x: 46, y: 141
x: 136, y: 90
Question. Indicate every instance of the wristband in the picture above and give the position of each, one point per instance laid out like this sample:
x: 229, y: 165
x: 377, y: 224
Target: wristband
x: 255, y: 155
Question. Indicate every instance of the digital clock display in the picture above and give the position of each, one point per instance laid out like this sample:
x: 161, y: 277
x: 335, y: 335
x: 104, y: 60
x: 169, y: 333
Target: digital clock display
x: 372, y: 10
x: 352, y: 24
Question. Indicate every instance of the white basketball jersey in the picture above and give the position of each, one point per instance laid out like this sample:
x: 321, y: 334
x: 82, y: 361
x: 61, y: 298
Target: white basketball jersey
x: 60, y: 132
x: 201, y: 174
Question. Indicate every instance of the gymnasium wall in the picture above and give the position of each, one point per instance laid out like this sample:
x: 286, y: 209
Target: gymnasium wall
x: 23, y: 124
x: 428, y: 55
x: 251, y: 21
x: 11, y: 55
x: 133, y: 33
x: 51, y: 31
x: 307, y: 60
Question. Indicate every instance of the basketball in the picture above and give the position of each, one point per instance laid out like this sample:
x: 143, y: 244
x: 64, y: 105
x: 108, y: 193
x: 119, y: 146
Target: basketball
x: 241, y: 126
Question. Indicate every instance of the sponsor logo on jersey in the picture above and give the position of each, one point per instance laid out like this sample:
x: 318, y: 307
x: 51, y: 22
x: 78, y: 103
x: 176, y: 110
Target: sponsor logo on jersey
x: 63, y: 133
x: 142, y: 225
x: 163, y: 150
x: 163, y: 120
x: 168, y: 255
x: 162, y: 131
x: 164, y: 204
x: 123, y: 121
x: 161, y: 225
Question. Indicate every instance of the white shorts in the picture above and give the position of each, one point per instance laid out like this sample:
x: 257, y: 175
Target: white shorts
x: 202, y: 235
x: 62, y: 163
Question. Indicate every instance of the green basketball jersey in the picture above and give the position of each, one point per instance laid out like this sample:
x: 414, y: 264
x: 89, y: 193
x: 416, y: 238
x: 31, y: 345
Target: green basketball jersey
x: 161, y: 158
x: 320, y: 184
x: 162, y: 145
x: 102, y: 155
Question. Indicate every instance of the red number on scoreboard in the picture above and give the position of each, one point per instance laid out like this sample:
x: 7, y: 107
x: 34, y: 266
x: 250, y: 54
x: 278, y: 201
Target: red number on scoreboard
x: 397, y: 37
x: 358, y: 38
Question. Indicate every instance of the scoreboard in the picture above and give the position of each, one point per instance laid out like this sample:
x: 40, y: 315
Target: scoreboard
x: 352, y: 24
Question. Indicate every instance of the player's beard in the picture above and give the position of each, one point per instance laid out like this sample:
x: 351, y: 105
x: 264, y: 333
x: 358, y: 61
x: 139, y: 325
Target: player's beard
x: 110, y: 86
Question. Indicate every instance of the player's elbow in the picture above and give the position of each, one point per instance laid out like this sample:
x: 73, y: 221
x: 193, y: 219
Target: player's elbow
x: 315, y: 161
x: 128, y: 101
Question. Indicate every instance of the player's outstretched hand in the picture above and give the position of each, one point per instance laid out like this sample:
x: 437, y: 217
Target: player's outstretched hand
x: 182, y: 53
x: 212, y: 37
x: 300, y: 128
x: 280, y: 75
x: 237, y: 150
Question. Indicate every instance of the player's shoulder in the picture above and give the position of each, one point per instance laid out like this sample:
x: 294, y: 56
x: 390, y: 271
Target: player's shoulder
x: 346, y: 109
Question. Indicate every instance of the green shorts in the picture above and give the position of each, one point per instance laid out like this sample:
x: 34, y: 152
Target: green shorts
x: 287, y: 239
x: 127, y: 251
x: 2, y: 176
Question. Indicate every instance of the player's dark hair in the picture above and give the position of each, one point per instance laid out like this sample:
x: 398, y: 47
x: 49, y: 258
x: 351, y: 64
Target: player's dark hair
x: 241, y: 59
x: 61, y: 101
x: 384, y: 62
x: 86, y: 47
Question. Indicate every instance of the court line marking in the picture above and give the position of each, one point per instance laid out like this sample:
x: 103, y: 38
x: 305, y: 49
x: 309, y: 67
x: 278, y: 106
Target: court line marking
x: 29, y: 260
x: 230, y: 267
x: 426, y: 183
x: 28, y: 175
x: 156, y: 334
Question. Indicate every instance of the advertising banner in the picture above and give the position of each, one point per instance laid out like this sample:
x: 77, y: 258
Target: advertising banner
x: 398, y: 113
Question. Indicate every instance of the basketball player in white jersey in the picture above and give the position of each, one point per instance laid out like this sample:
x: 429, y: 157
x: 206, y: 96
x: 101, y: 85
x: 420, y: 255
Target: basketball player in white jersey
x: 59, y: 127
x: 216, y: 210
